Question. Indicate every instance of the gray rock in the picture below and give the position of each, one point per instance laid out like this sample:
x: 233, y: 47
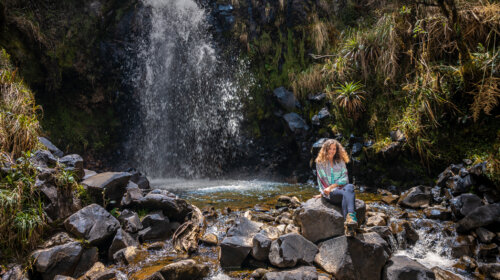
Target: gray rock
x: 111, y: 184
x: 404, y: 232
x: 362, y: 257
x: 185, y: 269
x: 490, y: 270
x: 464, y: 204
x: 397, y: 135
x: 130, y: 221
x: 323, y: 114
x: 174, y: 208
x: 43, y: 158
x: 59, y: 203
x: 88, y: 174
x: 484, y: 235
x: 438, y: 213
x: 296, y: 123
x: 416, y: 197
x: 292, y: 249
x: 234, y: 250
x: 126, y: 255
x: 244, y: 227
x: 15, y: 273
x: 88, y: 258
x: 487, y: 252
x: 442, y: 274
x: 51, y: 147
x: 459, y: 184
x: 286, y: 99
x: 404, y: 268
x: 132, y: 195
x: 261, y: 246
x: 461, y: 245
x: 121, y: 240
x: 73, y: 163
x: 300, y: 273
x: 156, y: 227
x: 65, y: 260
x: 92, y: 223
x: 480, y: 217
x: 319, y: 219
x: 140, y: 180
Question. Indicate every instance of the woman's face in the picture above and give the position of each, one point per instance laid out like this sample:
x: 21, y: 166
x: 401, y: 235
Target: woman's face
x: 331, y: 151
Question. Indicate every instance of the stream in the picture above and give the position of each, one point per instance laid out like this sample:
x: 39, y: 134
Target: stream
x: 231, y: 198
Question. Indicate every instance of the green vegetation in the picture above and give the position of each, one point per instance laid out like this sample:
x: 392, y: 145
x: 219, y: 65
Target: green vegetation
x: 429, y: 69
x: 22, y: 218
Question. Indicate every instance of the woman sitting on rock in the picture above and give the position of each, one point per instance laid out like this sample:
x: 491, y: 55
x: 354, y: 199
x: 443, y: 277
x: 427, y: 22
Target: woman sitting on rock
x: 333, y: 182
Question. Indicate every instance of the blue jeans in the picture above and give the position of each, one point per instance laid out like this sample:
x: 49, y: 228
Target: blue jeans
x: 344, y: 196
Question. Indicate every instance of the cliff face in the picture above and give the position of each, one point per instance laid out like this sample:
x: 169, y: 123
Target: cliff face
x: 62, y: 49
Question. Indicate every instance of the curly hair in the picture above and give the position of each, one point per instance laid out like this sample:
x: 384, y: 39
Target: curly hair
x: 340, y: 154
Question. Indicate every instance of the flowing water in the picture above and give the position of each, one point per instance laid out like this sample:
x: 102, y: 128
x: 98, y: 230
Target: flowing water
x: 188, y: 95
x: 240, y: 196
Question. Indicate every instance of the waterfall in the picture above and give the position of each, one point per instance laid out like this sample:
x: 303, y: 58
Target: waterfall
x: 189, y: 108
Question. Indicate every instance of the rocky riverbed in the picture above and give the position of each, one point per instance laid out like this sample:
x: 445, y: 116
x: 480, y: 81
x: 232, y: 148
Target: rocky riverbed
x: 131, y: 229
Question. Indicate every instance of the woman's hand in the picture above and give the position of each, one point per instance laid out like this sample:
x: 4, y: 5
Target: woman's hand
x: 330, y: 188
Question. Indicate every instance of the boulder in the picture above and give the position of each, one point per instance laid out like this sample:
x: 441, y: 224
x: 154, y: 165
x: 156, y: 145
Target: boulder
x: 458, y: 184
x: 89, y: 257
x: 480, y: 217
x: 184, y: 270
x: 438, y: 213
x: 460, y: 245
x: 155, y: 227
x: 490, y: 270
x: 292, y: 249
x: 316, y: 97
x: 416, y: 197
x: 126, y: 255
x: 73, y: 163
x: 210, y: 239
x: 88, y: 174
x: 442, y: 274
x: 58, y: 202
x: 15, y: 273
x: 404, y: 232
x: 174, y: 208
x: 286, y: 99
x: 487, y: 252
x: 244, y: 227
x: 404, y: 268
x: 377, y: 219
x: 121, y: 240
x: 484, y: 235
x: 130, y: 221
x: 65, y: 259
x: 51, y: 147
x: 464, y: 204
x: 300, y: 273
x: 397, y: 136
x: 110, y: 184
x: 362, y: 257
x: 234, y: 250
x: 93, y: 223
x: 132, y: 195
x: 43, y: 158
x: 319, y: 219
x: 322, y: 115
x: 261, y: 246
x: 139, y: 179
x: 296, y: 123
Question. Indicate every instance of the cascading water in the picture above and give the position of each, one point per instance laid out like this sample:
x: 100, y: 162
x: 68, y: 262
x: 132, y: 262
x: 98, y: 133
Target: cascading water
x: 188, y: 97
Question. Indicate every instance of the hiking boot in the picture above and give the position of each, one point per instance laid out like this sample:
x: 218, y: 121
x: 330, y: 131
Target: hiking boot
x: 350, y: 225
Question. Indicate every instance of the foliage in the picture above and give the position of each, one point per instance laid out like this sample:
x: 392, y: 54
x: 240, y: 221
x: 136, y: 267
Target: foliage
x: 19, y: 126
x: 349, y: 96
x: 22, y: 218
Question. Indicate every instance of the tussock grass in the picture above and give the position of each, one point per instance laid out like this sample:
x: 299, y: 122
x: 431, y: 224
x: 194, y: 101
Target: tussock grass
x: 19, y: 126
